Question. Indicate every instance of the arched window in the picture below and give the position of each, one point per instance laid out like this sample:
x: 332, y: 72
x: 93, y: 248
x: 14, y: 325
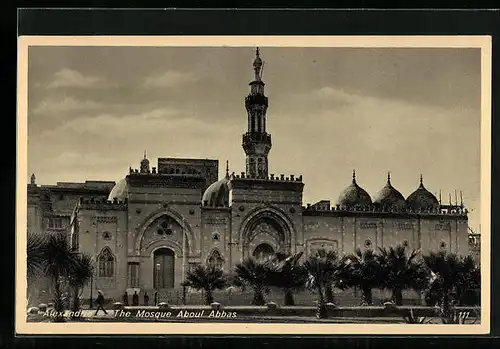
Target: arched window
x: 215, y: 259
x: 164, y: 228
x: 106, y: 263
x: 263, y: 252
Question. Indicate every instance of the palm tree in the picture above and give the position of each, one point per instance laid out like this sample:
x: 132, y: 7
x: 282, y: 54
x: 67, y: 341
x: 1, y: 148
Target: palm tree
x: 362, y: 269
x: 400, y: 271
x: 207, y: 278
x: 35, y: 253
x: 445, y: 268
x: 336, y: 279
x: 82, y: 270
x: 287, y: 273
x: 58, y: 264
x: 256, y: 275
x: 321, y: 271
x: 453, y: 277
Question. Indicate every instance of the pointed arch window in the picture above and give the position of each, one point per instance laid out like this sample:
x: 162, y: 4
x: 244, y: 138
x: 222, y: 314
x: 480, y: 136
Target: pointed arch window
x: 215, y: 260
x: 106, y: 263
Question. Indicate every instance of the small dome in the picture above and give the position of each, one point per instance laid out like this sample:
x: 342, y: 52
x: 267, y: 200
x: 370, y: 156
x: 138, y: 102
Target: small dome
x: 354, y: 195
x: 217, y: 194
x: 389, y: 197
x: 119, y: 191
x: 422, y: 199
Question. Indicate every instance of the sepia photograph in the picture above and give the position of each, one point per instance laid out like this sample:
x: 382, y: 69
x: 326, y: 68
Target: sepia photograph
x: 253, y: 185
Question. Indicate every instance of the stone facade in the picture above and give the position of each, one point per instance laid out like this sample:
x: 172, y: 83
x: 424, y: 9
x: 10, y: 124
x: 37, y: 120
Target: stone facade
x: 146, y: 231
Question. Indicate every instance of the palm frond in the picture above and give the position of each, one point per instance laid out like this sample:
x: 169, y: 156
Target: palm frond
x: 35, y: 253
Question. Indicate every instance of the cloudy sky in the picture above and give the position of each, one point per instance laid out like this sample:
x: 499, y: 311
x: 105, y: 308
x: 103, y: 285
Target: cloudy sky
x: 94, y: 110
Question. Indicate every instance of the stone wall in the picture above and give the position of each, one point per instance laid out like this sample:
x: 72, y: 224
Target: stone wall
x: 357, y: 231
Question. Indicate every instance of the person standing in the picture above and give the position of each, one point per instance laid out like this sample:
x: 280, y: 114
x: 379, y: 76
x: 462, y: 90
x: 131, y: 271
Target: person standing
x: 135, y: 299
x: 100, y: 303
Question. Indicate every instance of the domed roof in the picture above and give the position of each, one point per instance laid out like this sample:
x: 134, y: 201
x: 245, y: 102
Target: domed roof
x: 354, y: 195
x: 119, y: 191
x: 422, y: 199
x: 389, y: 197
x: 217, y: 194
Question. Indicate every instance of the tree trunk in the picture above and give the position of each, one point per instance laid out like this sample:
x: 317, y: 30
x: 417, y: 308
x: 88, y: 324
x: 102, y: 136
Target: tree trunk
x: 75, y: 306
x: 397, y: 296
x: 258, y: 297
x: 366, y: 296
x: 209, y: 298
x: 289, y: 297
x: 58, y: 301
x: 329, y: 294
x: 445, y: 303
x: 460, y: 297
x: 321, y: 312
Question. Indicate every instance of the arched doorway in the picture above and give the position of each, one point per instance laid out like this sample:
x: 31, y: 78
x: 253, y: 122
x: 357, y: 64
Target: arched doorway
x: 263, y: 252
x: 164, y: 268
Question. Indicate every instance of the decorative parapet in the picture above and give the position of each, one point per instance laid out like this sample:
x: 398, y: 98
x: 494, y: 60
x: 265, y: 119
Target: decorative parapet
x: 318, y: 209
x: 171, y: 172
x: 163, y: 180
x: 271, y: 177
x: 272, y: 182
x: 102, y: 204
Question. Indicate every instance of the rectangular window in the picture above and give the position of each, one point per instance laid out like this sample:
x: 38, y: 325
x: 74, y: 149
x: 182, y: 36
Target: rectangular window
x: 58, y: 222
x: 133, y: 274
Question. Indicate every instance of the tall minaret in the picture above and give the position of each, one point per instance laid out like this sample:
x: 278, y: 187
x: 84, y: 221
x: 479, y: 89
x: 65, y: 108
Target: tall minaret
x: 256, y: 141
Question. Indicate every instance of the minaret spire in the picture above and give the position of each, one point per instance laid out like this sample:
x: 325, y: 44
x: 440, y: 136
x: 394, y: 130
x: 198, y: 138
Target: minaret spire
x: 257, y: 65
x: 256, y: 141
x: 388, y: 178
x: 354, y: 176
x: 227, y: 168
x: 144, y: 164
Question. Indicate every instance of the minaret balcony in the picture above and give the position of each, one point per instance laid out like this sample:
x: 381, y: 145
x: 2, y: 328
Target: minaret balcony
x: 257, y: 98
x: 257, y: 137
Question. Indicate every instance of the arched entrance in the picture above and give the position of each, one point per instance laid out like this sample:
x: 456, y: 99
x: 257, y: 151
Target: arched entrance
x: 263, y: 252
x: 266, y: 225
x: 164, y: 269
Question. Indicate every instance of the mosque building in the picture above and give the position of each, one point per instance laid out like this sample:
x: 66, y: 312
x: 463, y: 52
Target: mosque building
x: 148, y: 229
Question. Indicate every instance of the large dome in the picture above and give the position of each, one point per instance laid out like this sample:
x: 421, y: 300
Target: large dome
x: 119, y: 191
x: 354, y: 195
x: 422, y: 199
x: 217, y: 194
x: 390, y: 198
